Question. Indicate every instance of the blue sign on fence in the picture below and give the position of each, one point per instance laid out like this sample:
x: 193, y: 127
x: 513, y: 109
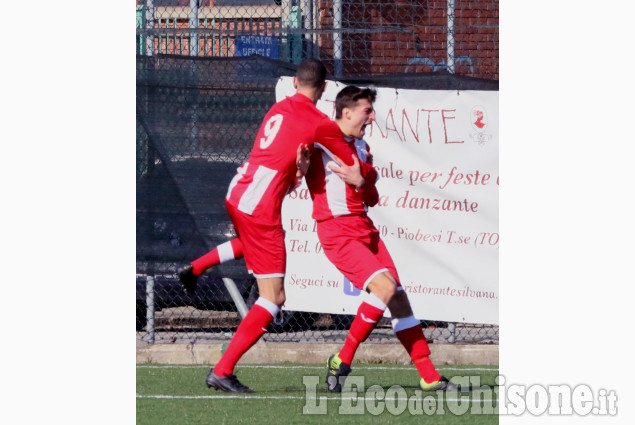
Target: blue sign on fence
x: 263, y: 45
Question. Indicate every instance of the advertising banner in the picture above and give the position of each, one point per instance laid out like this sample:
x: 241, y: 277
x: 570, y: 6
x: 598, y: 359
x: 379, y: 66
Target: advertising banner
x: 436, y: 153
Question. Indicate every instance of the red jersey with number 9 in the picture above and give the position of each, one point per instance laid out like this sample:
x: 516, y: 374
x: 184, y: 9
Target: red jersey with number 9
x: 262, y: 182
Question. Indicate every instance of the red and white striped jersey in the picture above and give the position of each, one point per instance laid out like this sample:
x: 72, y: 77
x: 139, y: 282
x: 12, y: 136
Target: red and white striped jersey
x: 262, y: 182
x: 331, y: 196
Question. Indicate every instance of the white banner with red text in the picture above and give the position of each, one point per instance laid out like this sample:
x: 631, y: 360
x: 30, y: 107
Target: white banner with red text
x: 436, y: 152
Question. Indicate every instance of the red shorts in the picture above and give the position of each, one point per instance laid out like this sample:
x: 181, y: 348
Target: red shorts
x: 353, y: 245
x: 263, y: 244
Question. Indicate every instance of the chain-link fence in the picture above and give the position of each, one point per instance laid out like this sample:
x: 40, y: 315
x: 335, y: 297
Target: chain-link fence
x: 352, y: 37
x: 199, y: 105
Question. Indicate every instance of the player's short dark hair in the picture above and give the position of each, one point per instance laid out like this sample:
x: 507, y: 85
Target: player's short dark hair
x: 348, y: 97
x: 311, y: 73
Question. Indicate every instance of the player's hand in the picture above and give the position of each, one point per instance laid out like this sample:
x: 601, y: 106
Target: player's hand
x: 351, y: 174
x: 302, y: 161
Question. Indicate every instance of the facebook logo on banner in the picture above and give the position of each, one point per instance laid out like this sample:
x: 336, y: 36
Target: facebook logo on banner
x: 349, y: 289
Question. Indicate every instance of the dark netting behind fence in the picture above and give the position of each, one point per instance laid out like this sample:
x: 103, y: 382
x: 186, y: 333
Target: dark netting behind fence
x: 196, y: 122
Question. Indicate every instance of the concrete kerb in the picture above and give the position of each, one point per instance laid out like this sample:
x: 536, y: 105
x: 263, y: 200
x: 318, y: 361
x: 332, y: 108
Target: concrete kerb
x: 207, y: 354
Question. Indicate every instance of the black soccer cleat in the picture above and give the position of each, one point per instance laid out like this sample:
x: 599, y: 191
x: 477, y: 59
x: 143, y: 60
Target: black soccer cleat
x: 336, y: 373
x: 229, y: 383
x: 188, y: 279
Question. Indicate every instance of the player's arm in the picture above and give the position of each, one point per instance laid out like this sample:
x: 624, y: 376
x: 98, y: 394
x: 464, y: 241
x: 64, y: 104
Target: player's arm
x: 353, y: 176
x: 360, y: 174
x: 302, y: 162
x: 368, y: 171
x: 350, y: 174
x: 330, y: 139
x: 370, y: 194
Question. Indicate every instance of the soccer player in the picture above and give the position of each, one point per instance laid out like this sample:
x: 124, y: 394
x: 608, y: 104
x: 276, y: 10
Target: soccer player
x: 352, y: 243
x: 254, y: 202
x: 341, y: 196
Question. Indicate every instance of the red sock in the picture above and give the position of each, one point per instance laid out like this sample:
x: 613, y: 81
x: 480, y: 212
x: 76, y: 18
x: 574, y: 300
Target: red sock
x: 415, y: 344
x: 252, y: 327
x: 227, y: 251
x: 365, y: 321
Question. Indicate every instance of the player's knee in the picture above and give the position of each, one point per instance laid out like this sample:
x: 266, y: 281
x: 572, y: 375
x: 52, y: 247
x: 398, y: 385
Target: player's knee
x: 280, y: 299
x: 272, y: 289
x: 390, y: 284
x: 391, y: 291
x: 277, y: 297
x: 384, y: 286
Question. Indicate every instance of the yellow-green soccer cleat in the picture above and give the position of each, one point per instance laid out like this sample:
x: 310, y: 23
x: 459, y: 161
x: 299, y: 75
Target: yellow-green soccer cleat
x: 336, y: 374
x: 442, y: 384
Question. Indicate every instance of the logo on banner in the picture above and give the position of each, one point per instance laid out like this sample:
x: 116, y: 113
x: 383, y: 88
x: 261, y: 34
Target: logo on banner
x: 349, y: 289
x: 479, y: 121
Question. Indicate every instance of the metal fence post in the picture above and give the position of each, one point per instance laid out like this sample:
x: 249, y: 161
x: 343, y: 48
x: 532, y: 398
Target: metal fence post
x: 450, y: 36
x: 141, y: 22
x: 240, y: 303
x: 285, y: 24
x: 149, y: 337
x: 452, y: 330
x: 194, y: 24
x: 150, y: 25
x: 295, y: 22
x: 307, y: 9
x: 337, y: 37
x: 235, y: 294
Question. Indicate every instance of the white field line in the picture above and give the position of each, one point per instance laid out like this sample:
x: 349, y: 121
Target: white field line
x: 493, y: 368
x: 291, y: 397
